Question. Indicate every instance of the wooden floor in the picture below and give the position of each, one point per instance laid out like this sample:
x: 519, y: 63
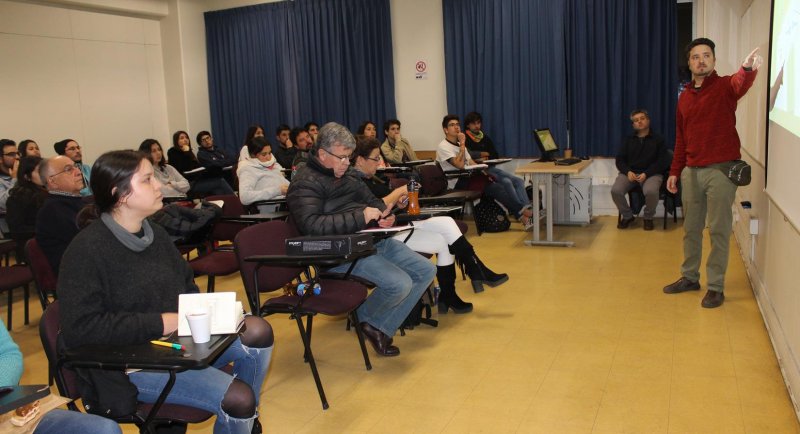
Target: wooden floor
x: 580, y: 340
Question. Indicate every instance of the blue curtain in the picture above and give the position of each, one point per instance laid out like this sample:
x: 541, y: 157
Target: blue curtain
x: 293, y: 62
x: 505, y: 59
x: 620, y: 56
x: 581, y: 65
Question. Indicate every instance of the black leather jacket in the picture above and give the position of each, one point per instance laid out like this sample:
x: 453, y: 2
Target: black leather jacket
x: 322, y: 204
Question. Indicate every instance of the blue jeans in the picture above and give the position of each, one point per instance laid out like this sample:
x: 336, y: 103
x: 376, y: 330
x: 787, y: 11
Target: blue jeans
x: 205, y: 388
x: 400, y: 275
x: 63, y: 421
x: 507, y: 189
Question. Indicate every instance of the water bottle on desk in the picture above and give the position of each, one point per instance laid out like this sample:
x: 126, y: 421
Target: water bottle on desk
x: 413, y: 197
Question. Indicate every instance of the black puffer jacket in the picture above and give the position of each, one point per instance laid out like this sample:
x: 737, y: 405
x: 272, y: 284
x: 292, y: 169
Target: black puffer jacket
x: 324, y: 205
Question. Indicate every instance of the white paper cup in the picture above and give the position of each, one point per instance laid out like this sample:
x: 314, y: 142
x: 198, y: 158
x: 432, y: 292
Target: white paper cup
x: 200, y: 325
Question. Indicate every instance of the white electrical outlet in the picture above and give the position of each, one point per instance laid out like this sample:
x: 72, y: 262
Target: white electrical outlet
x: 753, y: 226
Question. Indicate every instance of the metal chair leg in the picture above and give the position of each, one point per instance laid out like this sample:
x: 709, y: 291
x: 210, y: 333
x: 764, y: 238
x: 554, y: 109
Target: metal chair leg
x: 27, y: 298
x: 309, y: 325
x: 211, y: 281
x: 361, y: 342
x: 311, y: 363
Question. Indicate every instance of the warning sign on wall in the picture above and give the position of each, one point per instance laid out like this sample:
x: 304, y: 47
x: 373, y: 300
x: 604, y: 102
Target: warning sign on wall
x: 421, y: 70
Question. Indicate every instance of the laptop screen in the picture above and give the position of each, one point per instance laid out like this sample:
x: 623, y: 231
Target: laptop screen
x: 545, y: 140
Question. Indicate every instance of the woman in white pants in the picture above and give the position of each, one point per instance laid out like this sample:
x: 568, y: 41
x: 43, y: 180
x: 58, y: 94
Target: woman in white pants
x: 437, y: 235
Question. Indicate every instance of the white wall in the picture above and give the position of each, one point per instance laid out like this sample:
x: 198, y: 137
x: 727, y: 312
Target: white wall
x: 418, y: 34
x: 91, y: 76
x: 771, y: 255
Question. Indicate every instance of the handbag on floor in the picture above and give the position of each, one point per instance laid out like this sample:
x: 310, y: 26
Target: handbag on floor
x: 489, y: 217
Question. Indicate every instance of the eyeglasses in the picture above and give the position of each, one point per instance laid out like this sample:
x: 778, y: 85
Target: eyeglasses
x: 342, y: 158
x: 453, y: 124
x: 11, y: 154
x: 67, y: 169
x: 375, y: 159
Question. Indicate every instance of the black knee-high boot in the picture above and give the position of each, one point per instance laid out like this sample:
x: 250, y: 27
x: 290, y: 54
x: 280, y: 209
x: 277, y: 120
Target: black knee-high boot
x: 448, y: 299
x: 478, y: 272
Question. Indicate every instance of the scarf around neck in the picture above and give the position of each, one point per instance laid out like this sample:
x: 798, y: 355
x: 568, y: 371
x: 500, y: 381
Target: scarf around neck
x: 475, y: 137
x: 128, y: 239
x: 269, y: 164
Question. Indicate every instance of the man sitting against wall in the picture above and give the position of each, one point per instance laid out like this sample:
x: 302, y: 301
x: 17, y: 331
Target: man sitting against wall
x: 641, y: 162
x: 56, y: 222
x: 452, y: 154
x: 284, y: 151
x: 326, y: 197
x: 303, y: 140
x: 479, y: 143
x: 396, y: 149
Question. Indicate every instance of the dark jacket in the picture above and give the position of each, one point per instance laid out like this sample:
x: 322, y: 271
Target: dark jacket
x: 24, y: 202
x: 183, y: 161
x: 214, y: 158
x: 285, y: 156
x: 646, y: 155
x: 485, y: 145
x: 186, y: 224
x: 57, y: 225
x: 322, y: 204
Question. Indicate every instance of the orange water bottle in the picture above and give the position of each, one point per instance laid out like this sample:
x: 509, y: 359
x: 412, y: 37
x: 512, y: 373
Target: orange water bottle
x: 413, y: 197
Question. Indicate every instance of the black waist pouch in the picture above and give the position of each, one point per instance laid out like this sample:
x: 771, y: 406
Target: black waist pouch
x: 738, y: 171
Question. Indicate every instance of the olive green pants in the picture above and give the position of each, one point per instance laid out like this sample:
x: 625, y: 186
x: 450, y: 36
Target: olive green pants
x: 707, y: 197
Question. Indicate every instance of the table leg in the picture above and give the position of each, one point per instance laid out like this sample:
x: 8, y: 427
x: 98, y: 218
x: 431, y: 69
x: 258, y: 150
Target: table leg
x: 548, y: 195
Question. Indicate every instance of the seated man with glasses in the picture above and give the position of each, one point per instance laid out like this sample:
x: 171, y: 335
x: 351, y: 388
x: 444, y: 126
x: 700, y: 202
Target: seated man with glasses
x: 72, y: 149
x: 326, y: 197
x: 8, y: 170
x: 56, y: 223
x: 452, y: 154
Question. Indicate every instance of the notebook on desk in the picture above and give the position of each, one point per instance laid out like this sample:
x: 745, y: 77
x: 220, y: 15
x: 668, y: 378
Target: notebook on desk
x: 226, y: 313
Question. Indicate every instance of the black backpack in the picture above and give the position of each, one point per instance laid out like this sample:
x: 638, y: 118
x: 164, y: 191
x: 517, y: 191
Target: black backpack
x: 420, y: 314
x: 489, y: 217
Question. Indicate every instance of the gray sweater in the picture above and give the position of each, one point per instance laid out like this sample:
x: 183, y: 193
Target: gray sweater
x: 110, y: 294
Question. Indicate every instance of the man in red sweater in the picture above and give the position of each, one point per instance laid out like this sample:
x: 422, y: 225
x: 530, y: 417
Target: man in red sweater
x: 706, y: 143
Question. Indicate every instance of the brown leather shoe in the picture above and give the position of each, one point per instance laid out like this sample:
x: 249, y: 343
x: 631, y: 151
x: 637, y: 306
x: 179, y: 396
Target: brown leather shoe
x: 681, y: 285
x: 648, y: 224
x: 625, y: 222
x: 379, y: 341
x: 713, y: 299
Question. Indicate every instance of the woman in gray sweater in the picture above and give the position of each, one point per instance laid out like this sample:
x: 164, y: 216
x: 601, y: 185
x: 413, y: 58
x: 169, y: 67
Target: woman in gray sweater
x: 120, y: 284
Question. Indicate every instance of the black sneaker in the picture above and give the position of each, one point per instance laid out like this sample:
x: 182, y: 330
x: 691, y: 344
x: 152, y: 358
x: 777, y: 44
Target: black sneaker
x: 648, y: 224
x: 681, y: 285
x: 625, y: 222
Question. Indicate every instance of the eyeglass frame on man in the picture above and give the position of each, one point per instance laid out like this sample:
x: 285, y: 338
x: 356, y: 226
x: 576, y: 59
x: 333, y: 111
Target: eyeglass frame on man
x: 11, y: 154
x: 69, y: 168
x: 341, y: 159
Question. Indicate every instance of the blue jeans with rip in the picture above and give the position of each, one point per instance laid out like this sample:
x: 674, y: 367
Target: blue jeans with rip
x: 62, y: 421
x: 400, y: 275
x: 205, y: 388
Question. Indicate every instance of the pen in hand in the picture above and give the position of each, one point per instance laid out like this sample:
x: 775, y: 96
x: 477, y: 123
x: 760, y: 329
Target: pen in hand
x: 168, y: 344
